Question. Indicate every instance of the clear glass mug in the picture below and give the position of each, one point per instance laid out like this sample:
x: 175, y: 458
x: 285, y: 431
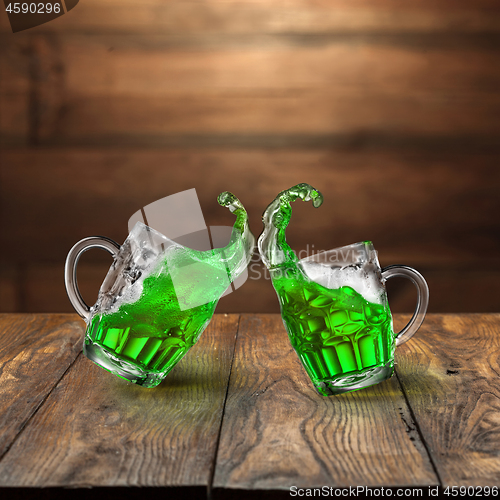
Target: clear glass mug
x: 338, y: 318
x: 334, y: 304
x: 157, y: 298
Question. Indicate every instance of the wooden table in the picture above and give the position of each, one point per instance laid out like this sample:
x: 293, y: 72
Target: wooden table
x: 238, y: 416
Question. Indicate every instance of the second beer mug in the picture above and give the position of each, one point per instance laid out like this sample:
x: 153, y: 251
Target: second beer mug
x: 157, y: 297
x: 334, y: 304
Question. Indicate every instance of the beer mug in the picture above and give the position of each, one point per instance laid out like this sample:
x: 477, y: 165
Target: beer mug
x: 334, y: 304
x: 157, y: 298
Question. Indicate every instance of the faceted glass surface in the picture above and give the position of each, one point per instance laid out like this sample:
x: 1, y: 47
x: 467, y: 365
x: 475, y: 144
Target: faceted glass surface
x: 333, y: 304
x: 159, y: 296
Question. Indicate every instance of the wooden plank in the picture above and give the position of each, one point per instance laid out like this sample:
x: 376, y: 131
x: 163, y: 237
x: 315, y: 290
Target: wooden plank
x: 89, y: 89
x: 277, y: 432
x: 85, y: 88
x: 35, y: 351
x: 113, y: 433
x: 284, y: 16
x: 114, y: 64
x: 450, y: 375
x: 43, y: 289
x: 61, y: 196
x: 125, y: 119
x: 337, y: 88
x: 327, y: 118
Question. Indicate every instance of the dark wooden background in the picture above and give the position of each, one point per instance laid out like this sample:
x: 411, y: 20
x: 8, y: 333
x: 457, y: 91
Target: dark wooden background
x: 390, y: 108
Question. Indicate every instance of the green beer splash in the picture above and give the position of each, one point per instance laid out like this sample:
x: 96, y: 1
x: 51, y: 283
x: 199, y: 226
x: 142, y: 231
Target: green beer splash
x: 338, y: 334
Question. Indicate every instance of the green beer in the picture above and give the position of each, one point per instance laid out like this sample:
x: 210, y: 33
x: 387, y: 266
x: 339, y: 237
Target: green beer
x: 344, y: 340
x: 335, y: 332
x: 150, y: 335
x: 159, y: 297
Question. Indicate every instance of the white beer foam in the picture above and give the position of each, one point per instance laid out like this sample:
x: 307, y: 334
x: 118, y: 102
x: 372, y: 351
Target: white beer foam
x: 364, y: 280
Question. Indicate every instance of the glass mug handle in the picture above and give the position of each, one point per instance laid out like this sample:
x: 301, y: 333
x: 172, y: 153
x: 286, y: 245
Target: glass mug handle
x: 70, y: 269
x: 422, y: 300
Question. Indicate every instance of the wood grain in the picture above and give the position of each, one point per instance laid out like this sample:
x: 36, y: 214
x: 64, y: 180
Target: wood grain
x: 90, y: 89
x: 389, y: 107
x: 113, y: 433
x: 94, y: 430
x: 58, y: 197
x: 350, y: 66
x: 43, y: 289
x: 61, y: 196
x: 450, y: 374
x: 122, y: 119
x: 277, y: 432
x: 35, y: 351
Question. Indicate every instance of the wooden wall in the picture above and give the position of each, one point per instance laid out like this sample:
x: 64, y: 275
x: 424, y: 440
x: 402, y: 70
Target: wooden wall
x: 390, y: 108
